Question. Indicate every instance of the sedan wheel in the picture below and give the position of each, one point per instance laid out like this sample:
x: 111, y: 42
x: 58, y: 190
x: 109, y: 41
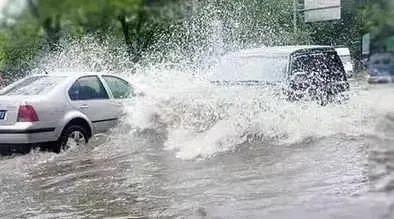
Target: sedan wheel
x: 76, y: 138
x: 72, y: 136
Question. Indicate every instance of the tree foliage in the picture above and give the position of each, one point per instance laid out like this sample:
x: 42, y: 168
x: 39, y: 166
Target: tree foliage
x: 378, y: 17
x: 197, y: 27
x: 42, y: 24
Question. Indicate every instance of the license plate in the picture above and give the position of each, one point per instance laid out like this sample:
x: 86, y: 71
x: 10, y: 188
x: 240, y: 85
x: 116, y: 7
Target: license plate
x: 2, y: 114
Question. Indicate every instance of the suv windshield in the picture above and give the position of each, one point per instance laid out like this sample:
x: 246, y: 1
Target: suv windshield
x: 34, y: 85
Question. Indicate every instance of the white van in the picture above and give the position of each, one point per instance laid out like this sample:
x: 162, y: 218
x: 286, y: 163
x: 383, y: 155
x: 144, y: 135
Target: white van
x: 344, y: 54
x: 313, y: 71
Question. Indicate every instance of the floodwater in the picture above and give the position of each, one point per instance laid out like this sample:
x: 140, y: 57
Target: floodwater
x: 212, y: 159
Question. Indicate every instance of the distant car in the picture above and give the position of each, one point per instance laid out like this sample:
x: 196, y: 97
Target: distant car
x: 344, y: 55
x: 60, y: 109
x: 381, y: 68
x: 303, y: 71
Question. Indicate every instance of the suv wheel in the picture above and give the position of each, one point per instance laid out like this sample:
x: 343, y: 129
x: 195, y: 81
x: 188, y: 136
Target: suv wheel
x: 72, y: 136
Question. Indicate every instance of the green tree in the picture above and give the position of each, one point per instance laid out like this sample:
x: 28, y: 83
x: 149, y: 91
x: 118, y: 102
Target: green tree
x: 378, y: 17
x: 43, y: 23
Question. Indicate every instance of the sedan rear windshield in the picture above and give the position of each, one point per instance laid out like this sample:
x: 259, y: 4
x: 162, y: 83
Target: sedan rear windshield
x: 35, y: 85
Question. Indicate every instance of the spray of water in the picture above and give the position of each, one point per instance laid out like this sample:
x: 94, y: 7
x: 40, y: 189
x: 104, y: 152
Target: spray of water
x: 201, y: 119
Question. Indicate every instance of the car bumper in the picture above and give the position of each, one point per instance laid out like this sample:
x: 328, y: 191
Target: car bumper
x: 26, y: 134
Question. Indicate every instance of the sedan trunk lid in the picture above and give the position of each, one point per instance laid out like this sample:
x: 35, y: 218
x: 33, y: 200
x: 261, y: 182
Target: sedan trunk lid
x: 9, y: 107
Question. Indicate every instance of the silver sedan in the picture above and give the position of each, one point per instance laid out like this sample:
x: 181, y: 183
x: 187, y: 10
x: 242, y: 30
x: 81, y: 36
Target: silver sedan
x: 60, y: 109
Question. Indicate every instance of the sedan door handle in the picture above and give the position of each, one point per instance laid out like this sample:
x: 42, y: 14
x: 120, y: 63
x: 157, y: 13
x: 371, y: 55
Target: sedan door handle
x: 84, y: 106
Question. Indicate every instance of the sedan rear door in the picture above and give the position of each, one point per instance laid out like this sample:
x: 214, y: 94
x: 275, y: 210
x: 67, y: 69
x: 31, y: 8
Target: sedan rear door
x: 89, y: 96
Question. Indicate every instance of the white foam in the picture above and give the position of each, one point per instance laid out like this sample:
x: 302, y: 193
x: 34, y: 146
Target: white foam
x: 203, y: 120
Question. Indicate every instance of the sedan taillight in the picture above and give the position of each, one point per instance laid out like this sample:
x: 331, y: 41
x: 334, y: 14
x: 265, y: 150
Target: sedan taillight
x: 27, y: 114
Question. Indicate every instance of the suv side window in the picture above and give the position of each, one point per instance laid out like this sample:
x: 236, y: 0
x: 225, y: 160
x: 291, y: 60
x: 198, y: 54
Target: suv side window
x: 88, y: 88
x: 120, y: 88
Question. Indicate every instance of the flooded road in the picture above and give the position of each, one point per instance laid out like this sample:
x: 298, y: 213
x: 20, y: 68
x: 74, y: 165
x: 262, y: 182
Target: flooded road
x: 335, y: 167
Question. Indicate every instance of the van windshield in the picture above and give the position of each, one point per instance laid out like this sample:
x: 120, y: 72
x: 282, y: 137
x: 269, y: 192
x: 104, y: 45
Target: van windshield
x: 35, y: 85
x: 345, y: 59
x: 250, y: 68
x: 326, y: 64
x: 381, y: 60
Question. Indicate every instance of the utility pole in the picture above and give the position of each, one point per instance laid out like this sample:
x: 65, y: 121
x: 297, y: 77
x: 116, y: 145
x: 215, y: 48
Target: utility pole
x: 295, y: 4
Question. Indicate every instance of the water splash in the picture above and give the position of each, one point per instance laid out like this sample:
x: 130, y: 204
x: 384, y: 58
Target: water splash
x: 201, y: 119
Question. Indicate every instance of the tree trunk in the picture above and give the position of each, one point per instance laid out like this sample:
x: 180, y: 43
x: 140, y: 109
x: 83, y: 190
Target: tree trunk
x: 126, y: 32
x: 51, y: 25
